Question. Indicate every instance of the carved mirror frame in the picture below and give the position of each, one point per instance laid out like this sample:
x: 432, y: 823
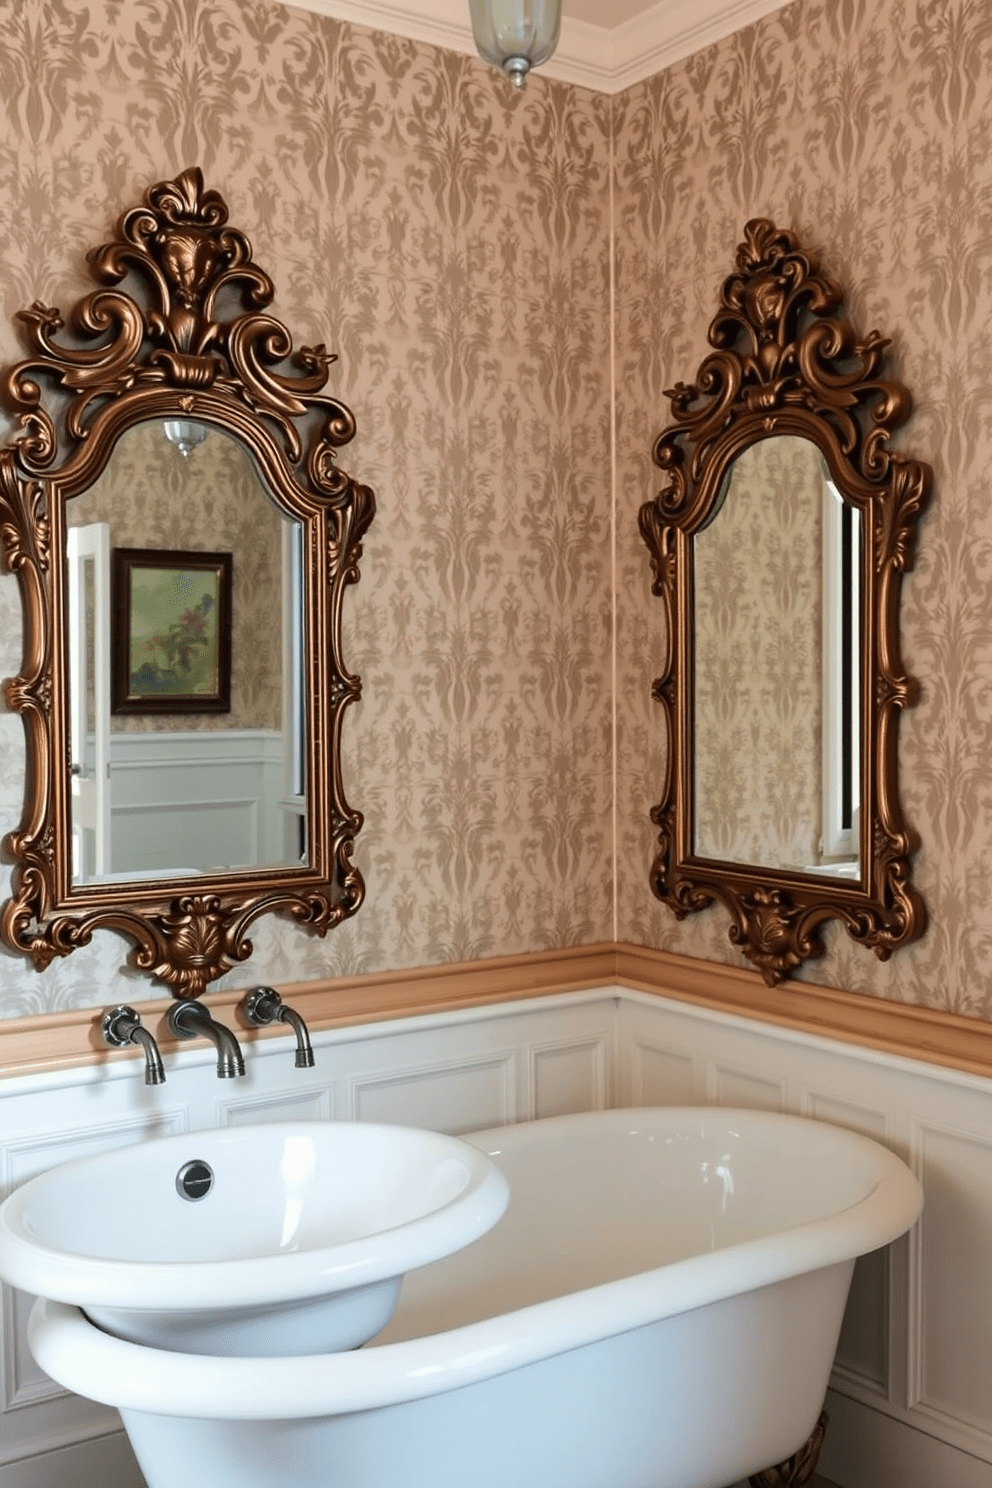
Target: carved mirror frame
x: 785, y: 363
x: 193, y: 342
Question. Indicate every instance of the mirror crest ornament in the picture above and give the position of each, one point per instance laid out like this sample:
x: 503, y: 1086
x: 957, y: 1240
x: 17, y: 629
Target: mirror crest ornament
x: 173, y: 352
x: 784, y: 363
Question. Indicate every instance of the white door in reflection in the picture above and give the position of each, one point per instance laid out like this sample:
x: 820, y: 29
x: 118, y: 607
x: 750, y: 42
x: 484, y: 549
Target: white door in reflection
x: 88, y: 592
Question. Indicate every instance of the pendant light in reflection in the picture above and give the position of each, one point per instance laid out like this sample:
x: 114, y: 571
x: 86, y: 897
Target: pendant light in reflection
x: 516, y: 35
x: 185, y: 434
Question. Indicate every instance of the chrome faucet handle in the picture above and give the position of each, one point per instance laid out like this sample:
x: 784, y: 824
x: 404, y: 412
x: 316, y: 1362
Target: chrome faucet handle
x: 264, y: 1006
x: 190, y: 1019
x: 121, y: 1026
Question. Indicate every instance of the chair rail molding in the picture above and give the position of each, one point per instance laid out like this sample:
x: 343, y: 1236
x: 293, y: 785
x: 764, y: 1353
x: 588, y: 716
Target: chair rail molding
x: 54, y: 1041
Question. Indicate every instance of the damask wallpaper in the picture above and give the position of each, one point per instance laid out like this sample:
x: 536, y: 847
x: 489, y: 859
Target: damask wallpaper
x: 453, y: 241
x: 448, y: 238
x: 862, y: 125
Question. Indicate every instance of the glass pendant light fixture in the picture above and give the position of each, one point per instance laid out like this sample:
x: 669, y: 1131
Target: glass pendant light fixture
x: 516, y: 35
x: 184, y: 434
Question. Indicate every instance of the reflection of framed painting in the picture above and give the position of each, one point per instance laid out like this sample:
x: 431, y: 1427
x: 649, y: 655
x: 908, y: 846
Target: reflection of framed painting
x: 171, y: 641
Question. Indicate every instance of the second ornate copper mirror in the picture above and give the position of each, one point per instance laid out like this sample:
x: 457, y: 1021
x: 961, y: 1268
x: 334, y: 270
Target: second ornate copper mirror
x: 778, y: 548
x: 173, y: 430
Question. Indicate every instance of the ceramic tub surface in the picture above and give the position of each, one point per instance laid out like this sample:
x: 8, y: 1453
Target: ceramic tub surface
x: 327, y: 1214
x: 672, y: 1280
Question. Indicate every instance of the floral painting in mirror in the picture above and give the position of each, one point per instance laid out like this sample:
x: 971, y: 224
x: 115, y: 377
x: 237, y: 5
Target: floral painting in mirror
x: 171, y: 637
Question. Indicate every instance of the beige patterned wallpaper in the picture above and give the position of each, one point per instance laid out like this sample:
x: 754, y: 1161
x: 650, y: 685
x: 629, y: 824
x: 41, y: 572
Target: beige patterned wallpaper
x: 863, y: 125
x: 451, y: 240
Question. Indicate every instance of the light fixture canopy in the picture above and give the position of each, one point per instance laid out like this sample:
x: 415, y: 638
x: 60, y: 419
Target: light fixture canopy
x: 185, y: 434
x: 516, y: 35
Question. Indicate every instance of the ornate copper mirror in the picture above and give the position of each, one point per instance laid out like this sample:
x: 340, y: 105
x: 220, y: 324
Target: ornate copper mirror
x: 778, y: 548
x: 175, y: 428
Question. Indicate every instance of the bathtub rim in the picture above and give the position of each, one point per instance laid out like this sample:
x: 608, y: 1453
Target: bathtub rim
x: 130, y: 1376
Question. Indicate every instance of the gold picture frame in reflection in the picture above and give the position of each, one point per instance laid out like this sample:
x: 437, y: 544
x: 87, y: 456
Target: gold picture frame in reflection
x: 171, y: 631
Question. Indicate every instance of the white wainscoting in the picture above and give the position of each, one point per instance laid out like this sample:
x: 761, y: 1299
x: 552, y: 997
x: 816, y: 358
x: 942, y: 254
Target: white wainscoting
x: 911, y: 1397
x: 197, y: 799
x: 911, y: 1404
x: 456, y: 1073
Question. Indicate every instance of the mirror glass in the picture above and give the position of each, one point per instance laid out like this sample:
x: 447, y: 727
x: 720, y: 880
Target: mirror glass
x: 186, y: 637
x: 777, y: 585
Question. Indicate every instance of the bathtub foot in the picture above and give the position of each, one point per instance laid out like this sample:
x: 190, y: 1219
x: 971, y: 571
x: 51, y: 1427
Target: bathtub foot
x: 798, y: 1468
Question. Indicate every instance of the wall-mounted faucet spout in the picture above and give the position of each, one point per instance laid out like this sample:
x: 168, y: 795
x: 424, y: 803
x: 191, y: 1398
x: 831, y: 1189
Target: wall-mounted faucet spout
x: 192, y: 1020
x: 264, y: 1006
x: 121, y: 1026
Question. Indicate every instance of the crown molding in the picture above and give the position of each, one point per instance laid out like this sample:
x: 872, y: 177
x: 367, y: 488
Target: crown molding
x: 603, y: 58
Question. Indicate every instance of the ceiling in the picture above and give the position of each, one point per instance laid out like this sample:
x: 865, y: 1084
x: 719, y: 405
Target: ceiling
x: 606, y: 13
x: 606, y: 45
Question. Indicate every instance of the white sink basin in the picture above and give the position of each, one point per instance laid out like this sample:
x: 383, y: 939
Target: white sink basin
x: 298, y: 1246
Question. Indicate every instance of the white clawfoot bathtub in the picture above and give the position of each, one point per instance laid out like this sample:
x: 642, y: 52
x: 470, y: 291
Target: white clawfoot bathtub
x: 658, y: 1308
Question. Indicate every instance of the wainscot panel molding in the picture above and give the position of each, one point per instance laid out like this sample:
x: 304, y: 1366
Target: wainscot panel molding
x: 452, y: 1071
x: 202, y: 799
x: 853, y: 1018
x: 911, y: 1397
x: 70, y: 1039
x: 65, y: 1040
x: 914, y: 1368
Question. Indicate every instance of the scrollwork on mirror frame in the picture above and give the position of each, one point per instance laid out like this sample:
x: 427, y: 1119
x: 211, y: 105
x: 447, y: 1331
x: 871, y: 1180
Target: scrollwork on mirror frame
x: 174, y: 352
x: 785, y: 363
